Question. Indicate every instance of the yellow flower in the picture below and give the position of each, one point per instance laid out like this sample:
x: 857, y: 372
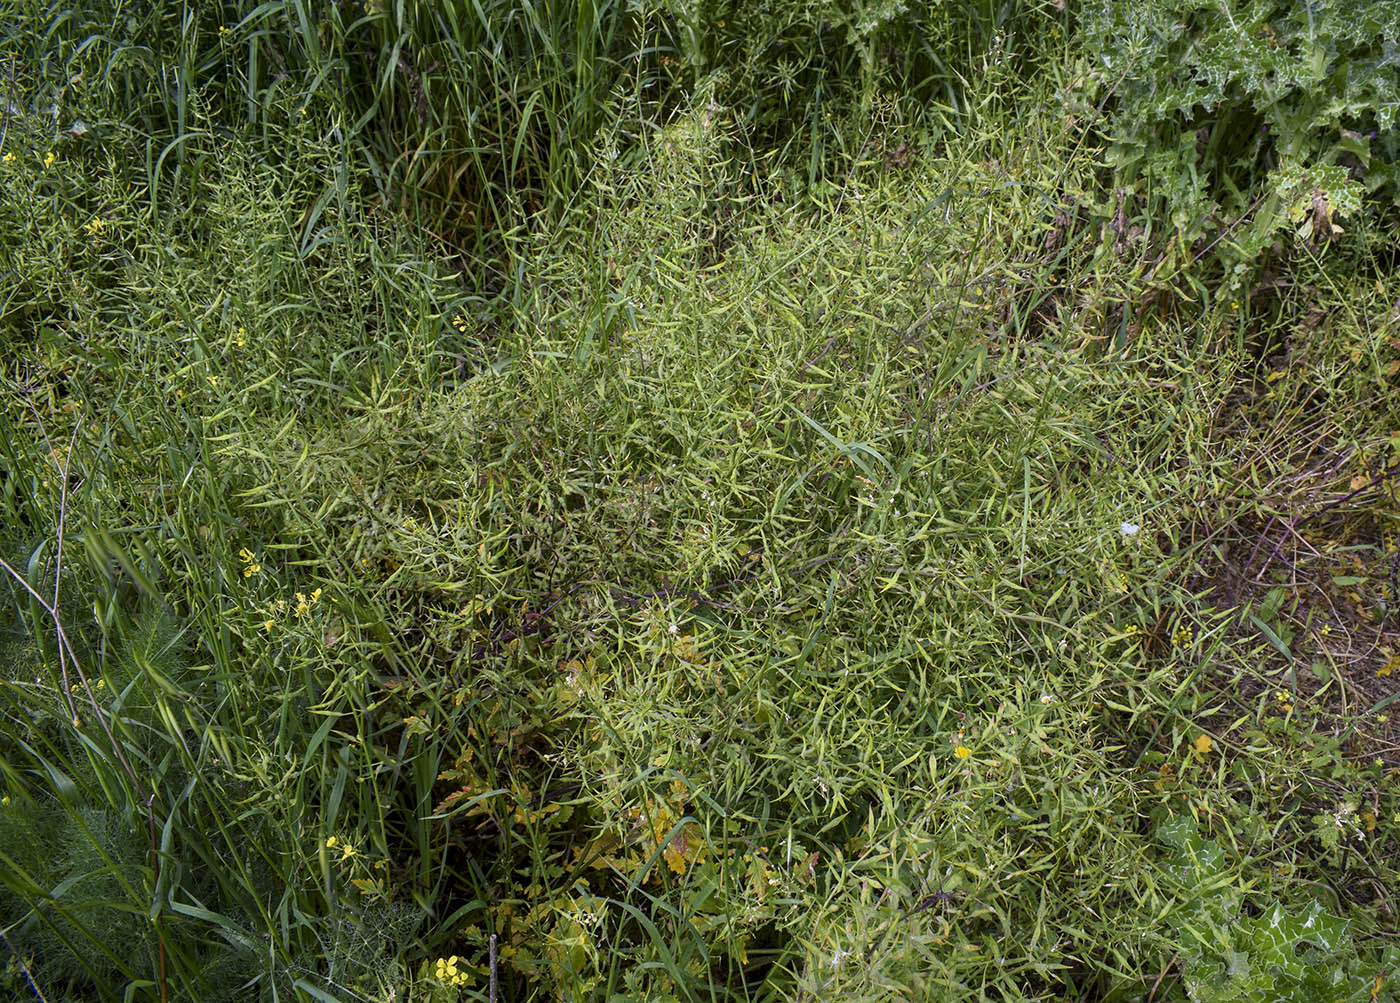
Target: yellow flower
x: 1202, y: 745
x: 213, y: 380
x: 447, y: 971
x: 9, y: 159
x: 240, y: 338
x: 95, y: 226
x: 224, y: 30
x: 268, y: 625
x: 49, y: 159
x: 331, y: 842
x: 251, y: 570
x: 5, y: 801
x: 303, y: 111
x: 962, y: 752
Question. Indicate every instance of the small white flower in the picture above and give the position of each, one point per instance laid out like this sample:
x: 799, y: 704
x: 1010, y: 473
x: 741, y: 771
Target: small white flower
x: 1128, y: 529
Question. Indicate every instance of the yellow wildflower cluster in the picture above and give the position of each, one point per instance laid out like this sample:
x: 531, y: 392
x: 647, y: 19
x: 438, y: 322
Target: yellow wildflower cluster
x: 361, y: 869
x: 347, y: 849
x: 8, y: 159
x: 95, y: 226
x: 278, y: 608
x: 240, y: 337
x: 250, y: 564
x: 49, y: 159
x: 448, y: 972
x: 305, y: 603
x: 301, y: 609
x: 962, y: 752
x: 1183, y: 636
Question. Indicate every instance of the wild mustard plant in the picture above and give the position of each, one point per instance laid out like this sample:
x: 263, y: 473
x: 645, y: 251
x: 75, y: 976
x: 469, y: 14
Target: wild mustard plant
x: 446, y: 971
x: 751, y: 698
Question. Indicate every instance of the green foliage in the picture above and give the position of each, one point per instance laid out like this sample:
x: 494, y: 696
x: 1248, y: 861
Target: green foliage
x: 1235, y: 118
x: 248, y: 899
x: 799, y: 75
x: 781, y: 569
x: 1237, y: 948
x: 75, y: 836
x: 477, y: 117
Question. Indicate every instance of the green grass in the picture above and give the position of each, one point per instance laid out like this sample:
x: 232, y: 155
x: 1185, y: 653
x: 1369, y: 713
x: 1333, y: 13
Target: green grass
x: 892, y: 590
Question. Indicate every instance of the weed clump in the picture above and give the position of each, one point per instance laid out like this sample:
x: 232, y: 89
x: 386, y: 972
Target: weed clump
x: 783, y: 557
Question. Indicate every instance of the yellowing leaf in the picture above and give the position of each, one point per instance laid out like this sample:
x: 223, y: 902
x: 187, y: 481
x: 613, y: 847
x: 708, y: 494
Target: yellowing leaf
x: 368, y: 886
x: 675, y: 855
